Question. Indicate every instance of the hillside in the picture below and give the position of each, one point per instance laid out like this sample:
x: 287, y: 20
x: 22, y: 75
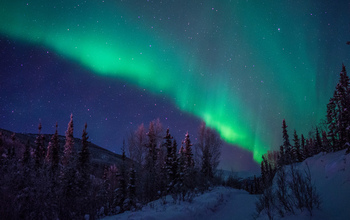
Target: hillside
x: 330, y: 174
x: 100, y: 157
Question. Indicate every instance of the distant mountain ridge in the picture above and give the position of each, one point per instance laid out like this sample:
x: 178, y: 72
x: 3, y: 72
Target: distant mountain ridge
x: 99, y: 157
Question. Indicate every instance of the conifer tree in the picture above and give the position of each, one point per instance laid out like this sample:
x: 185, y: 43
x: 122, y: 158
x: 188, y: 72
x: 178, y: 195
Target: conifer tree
x: 332, y: 122
x: 263, y: 169
x: 69, y: 145
x: 150, y: 165
x: 26, y: 155
x: 132, y: 187
x: 281, y: 157
x: 68, y: 177
x: 174, y: 165
x: 169, y: 159
x: 338, y: 113
x: 296, y: 149
x: 123, y: 180
x: 84, y: 154
x: 286, y: 143
x: 40, y: 148
x: 52, y: 156
x: 182, y: 169
x: 343, y: 107
x: 188, y: 151
x: 302, y: 146
x: 318, y: 142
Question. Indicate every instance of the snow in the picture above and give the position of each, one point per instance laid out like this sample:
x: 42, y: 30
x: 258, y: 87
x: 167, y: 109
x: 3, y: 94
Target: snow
x: 330, y: 173
x: 216, y: 204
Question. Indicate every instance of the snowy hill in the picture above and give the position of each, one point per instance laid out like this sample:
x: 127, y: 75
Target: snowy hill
x: 100, y: 157
x: 330, y: 174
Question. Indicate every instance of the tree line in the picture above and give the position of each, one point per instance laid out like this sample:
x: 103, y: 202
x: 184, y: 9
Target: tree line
x: 50, y: 181
x: 332, y: 135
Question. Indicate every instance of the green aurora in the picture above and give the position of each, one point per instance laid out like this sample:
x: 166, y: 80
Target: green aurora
x: 239, y: 66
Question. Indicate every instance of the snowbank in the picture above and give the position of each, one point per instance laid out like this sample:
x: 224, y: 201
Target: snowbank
x: 330, y: 174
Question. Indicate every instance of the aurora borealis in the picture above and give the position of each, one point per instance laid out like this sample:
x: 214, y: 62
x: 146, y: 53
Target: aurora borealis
x: 240, y: 66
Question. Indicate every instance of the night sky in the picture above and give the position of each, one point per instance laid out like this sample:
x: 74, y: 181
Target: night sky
x: 240, y: 66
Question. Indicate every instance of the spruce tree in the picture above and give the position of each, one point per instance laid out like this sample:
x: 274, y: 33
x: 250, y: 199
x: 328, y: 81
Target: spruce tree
x: 343, y: 105
x: 182, y: 169
x: 169, y: 159
x: 332, y: 122
x: 281, y: 158
x: 174, y: 165
x: 39, y: 153
x: 52, y: 156
x: 84, y: 154
x: 286, y: 143
x: 69, y: 145
x: 26, y: 155
x: 302, y: 148
x: 188, y: 150
x: 132, y: 187
x: 123, y: 180
x: 55, y: 150
x: 318, y: 142
x: 150, y: 165
x: 296, y: 149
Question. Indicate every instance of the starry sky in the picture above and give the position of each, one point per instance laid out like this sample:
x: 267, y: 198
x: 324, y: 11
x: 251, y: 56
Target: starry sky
x: 240, y: 66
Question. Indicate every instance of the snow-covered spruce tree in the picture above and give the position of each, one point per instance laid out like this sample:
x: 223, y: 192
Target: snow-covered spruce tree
x: 52, y: 156
x: 84, y: 155
x: 69, y: 144
x: 68, y: 178
x: 84, y: 184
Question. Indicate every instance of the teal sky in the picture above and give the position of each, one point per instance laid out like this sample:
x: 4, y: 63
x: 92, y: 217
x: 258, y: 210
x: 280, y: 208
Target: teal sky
x: 240, y: 66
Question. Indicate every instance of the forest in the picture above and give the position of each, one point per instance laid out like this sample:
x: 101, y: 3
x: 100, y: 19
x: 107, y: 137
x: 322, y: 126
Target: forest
x: 55, y: 180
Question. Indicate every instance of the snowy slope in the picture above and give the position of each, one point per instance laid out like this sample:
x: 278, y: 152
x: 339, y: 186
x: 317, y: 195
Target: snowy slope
x: 219, y: 203
x: 330, y: 174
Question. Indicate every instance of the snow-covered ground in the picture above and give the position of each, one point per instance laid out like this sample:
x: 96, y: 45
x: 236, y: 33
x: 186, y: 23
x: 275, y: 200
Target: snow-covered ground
x: 330, y: 174
x: 220, y: 203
